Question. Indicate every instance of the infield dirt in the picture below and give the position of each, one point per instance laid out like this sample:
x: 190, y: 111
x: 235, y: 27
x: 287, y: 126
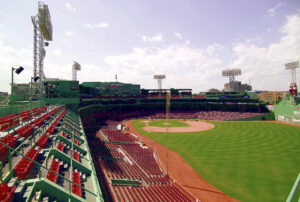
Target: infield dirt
x: 194, y: 126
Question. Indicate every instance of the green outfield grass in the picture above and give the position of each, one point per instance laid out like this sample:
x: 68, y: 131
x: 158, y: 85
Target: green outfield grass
x: 250, y: 161
x: 171, y: 123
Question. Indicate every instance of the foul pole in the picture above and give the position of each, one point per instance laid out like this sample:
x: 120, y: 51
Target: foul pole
x: 167, y: 132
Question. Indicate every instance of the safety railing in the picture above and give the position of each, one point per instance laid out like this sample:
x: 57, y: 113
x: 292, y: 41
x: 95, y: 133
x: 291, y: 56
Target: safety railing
x: 294, y: 189
x: 40, y: 170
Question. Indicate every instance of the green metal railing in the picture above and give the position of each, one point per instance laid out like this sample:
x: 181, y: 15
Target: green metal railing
x: 40, y: 167
x: 13, y: 151
x: 294, y: 189
x: 17, y: 108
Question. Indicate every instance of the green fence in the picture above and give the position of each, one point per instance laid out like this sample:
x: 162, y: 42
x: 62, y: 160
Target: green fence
x: 18, y: 107
x: 286, y: 112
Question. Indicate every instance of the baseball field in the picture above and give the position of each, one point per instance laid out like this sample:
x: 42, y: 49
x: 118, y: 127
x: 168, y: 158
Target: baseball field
x: 250, y: 161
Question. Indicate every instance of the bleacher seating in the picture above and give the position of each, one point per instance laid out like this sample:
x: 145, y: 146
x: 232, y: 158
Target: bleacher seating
x: 121, y: 157
x: 24, y: 165
x: 43, y: 122
x: 76, y: 178
x: 9, y: 121
x: 55, y: 168
x: 42, y: 141
x: 6, y: 192
x: 9, y: 140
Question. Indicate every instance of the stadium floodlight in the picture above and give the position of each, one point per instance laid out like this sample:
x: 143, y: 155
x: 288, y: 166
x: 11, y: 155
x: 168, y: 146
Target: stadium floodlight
x: 42, y: 30
x: 292, y: 67
x: 293, y: 86
x: 35, y: 79
x: 159, y: 78
x: 231, y: 73
x: 19, y: 70
x: 44, y: 20
x: 75, y: 67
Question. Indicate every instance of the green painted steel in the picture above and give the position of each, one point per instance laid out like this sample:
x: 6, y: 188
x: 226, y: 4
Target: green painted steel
x: 286, y: 109
x: 18, y: 107
x: 294, y: 189
x: 109, y: 88
x: 286, y: 112
x: 62, y: 89
x: 41, y: 185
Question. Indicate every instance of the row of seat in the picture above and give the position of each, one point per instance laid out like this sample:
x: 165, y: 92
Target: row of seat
x: 55, y: 168
x: 139, y: 164
x: 150, y: 193
x: 76, y: 155
x: 7, y: 193
x: 9, y: 140
x: 24, y: 165
x: 76, y: 178
x: 14, y: 119
x: 43, y: 140
x: 61, y: 146
x: 25, y: 131
x: 118, y: 136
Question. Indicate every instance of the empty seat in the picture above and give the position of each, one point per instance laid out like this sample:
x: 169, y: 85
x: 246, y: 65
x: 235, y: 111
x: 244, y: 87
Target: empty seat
x: 6, y: 192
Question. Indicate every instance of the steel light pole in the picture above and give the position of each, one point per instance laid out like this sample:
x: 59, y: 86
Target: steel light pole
x: 18, y: 71
x: 35, y: 79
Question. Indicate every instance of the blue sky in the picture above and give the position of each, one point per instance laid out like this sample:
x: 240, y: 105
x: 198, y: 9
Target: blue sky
x: 190, y: 41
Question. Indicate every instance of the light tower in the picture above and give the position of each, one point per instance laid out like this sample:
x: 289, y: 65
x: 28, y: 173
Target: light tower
x: 159, y: 78
x: 293, y: 86
x: 42, y: 29
x: 75, y: 67
x: 231, y: 73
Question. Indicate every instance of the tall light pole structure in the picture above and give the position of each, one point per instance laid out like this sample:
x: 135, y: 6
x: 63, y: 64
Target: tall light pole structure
x: 231, y: 74
x: 293, y: 86
x: 159, y: 79
x: 75, y: 67
x: 167, y: 132
x: 18, y: 71
x: 42, y: 29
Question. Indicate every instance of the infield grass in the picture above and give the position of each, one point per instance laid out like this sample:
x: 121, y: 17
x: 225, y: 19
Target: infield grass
x: 250, y: 161
x: 168, y: 123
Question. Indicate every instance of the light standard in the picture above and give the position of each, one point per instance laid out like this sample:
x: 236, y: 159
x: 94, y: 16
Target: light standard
x: 18, y: 71
x: 35, y: 80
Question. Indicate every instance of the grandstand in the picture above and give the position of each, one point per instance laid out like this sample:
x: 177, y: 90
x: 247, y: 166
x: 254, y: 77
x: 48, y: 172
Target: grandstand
x: 131, y: 171
x: 71, y: 142
x: 45, y: 157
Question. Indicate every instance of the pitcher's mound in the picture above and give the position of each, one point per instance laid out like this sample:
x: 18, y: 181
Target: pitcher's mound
x: 194, y: 126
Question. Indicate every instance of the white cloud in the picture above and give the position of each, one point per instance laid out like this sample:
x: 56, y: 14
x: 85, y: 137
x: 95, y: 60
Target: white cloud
x: 187, y: 42
x: 70, y: 7
x: 272, y: 11
x: 184, y: 66
x: 266, y: 64
x: 214, y: 49
x: 156, y: 38
x: 57, y: 52
x: 99, y: 25
x: 255, y: 40
x: 200, y: 69
x: 13, y: 57
x: 177, y: 35
x: 69, y: 33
